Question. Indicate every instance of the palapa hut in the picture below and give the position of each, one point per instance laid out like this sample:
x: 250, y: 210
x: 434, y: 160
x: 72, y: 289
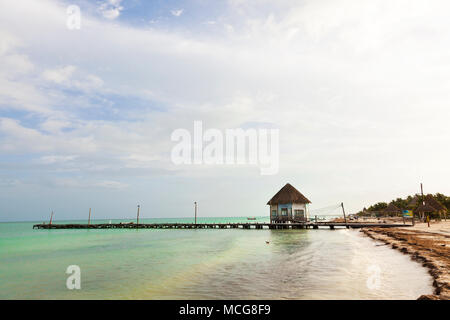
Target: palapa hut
x: 430, y: 200
x: 428, y: 205
x: 392, y: 209
x: 422, y: 209
x: 415, y: 201
x: 288, y: 205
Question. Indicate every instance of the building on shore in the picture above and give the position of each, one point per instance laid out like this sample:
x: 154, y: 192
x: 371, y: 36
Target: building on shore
x: 415, y: 201
x: 440, y: 209
x: 288, y: 205
x: 392, y: 210
x: 425, y: 205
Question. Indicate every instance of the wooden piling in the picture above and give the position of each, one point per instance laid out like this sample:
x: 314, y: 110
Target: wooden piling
x: 195, y: 205
x: 137, y: 219
x: 343, y: 211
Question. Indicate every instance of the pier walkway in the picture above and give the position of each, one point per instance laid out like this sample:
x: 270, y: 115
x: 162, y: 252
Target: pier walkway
x: 242, y: 225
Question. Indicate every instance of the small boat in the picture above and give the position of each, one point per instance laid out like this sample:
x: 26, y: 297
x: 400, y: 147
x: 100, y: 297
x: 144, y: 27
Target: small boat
x: 267, y: 242
x: 251, y: 218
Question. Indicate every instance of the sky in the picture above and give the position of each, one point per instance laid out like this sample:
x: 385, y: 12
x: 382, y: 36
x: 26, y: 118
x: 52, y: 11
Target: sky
x: 358, y: 89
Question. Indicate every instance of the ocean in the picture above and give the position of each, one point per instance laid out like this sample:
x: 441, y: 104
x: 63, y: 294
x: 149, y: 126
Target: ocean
x: 203, y: 264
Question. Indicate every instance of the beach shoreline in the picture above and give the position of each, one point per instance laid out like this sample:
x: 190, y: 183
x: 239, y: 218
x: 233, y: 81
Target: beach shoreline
x: 428, y: 245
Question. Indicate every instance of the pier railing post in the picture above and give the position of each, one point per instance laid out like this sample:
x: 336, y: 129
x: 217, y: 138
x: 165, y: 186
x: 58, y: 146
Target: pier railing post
x: 195, y: 218
x: 137, y: 220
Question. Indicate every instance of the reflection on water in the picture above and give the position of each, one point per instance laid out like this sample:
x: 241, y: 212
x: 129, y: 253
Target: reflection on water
x: 314, y: 264
x: 205, y: 264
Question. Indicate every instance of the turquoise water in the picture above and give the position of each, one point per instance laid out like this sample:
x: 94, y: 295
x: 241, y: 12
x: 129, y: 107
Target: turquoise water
x: 203, y: 264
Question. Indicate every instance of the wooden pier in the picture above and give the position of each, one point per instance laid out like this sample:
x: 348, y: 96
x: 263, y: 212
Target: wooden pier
x: 254, y: 225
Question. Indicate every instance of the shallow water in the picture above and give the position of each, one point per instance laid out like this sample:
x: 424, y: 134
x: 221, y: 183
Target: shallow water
x: 204, y: 264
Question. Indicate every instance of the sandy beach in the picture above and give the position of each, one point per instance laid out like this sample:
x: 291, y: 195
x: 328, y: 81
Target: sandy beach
x: 429, y: 245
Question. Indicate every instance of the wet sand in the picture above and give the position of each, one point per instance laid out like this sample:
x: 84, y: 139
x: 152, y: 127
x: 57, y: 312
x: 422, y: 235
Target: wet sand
x: 429, y: 245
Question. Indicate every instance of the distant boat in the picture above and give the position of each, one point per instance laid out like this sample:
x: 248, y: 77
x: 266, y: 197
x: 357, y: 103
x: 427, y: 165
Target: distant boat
x: 251, y: 218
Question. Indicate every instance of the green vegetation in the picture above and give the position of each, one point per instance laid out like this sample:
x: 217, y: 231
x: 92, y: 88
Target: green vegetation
x: 408, y: 203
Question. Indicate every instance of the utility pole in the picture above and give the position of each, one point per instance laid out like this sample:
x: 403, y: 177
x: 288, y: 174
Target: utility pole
x: 343, y: 211
x: 423, y: 199
x: 137, y: 220
x: 195, y: 205
x: 89, y: 220
x: 421, y: 191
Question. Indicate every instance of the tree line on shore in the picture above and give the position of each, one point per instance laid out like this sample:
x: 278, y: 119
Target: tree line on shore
x: 438, y: 201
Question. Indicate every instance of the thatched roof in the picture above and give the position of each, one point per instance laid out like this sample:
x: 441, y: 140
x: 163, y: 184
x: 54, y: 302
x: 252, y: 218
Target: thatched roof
x: 414, y: 202
x: 425, y: 208
x: 429, y: 199
x: 288, y: 194
x: 392, y: 208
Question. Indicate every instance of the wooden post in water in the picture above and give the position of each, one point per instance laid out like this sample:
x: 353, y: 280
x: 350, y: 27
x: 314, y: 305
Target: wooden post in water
x: 137, y: 220
x: 195, y: 219
x: 89, y: 219
x: 51, y: 218
x: 343, y: 211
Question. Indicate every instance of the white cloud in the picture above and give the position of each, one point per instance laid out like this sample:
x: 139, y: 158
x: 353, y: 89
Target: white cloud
x: 69, y: 77
x: 177, y: 12
x: 139, y: 160
x: 88, y: 183
x: 111, y: 184
x: 59, y: 75
x: 15, y: 91
x: 15, y: 64
x: 18, y: 139
x: 52, y: 159
x: 111, y: 9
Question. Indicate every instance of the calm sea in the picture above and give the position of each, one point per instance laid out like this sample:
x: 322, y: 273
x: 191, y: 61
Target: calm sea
x: 204, y: 264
